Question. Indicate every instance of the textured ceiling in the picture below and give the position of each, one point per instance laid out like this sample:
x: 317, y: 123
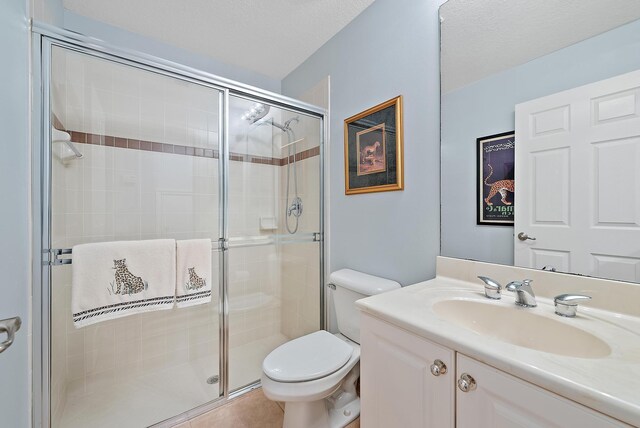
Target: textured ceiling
x: 269, y: 37
x: 483, y: 37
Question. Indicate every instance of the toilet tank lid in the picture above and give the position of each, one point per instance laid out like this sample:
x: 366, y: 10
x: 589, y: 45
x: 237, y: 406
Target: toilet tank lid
x: 361, y: 282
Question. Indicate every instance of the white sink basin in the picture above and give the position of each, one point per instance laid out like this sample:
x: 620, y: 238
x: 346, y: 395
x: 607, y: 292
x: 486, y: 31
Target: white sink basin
x: 522, y: 327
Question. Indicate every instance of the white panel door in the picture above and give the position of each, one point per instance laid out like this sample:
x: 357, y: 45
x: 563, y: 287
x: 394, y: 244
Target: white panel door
x: 578, y: 180
x: 500, y: 400
x: 397, y: 388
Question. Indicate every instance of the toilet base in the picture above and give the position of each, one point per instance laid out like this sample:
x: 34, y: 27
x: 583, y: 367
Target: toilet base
x: 335, y: 411
x: 320, y: 414
x: 311, y: 414
x: 341, y: 417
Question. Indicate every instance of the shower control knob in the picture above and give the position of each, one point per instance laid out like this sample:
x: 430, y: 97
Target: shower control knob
x: 466, y: 383
x: 438, y: 368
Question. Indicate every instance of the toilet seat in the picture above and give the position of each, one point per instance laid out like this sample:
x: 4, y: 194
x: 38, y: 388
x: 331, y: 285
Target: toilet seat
x: 307, y: 358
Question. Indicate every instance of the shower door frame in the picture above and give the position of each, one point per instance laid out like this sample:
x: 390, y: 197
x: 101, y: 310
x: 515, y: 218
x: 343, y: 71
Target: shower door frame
x: 44, y: 38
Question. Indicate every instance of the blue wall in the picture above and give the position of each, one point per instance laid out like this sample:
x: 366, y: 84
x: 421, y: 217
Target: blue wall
x: 391, y: 49
x: 123, y: 38
x: 14, y: 215
x: 488, y: 107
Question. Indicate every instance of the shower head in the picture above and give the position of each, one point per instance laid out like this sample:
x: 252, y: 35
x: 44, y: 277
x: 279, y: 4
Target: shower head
x: 256, y: 112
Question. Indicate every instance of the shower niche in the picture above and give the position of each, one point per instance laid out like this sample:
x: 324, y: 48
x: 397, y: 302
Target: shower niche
x: 137, y: 152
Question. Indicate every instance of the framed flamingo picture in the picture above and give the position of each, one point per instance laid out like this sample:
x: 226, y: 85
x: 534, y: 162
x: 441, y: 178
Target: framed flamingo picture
x: 373, y: 149
x: 496, y: 184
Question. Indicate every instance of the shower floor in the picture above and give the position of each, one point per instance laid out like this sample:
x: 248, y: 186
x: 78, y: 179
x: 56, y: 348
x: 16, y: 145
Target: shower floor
x: 149, y: 398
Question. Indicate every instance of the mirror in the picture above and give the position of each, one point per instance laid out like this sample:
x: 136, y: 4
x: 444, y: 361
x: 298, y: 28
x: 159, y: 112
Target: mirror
x: 497, y: 54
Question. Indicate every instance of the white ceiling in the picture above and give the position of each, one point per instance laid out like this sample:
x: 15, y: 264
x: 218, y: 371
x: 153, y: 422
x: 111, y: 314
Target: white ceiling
x: 269, y: 37
x: 483, y: 37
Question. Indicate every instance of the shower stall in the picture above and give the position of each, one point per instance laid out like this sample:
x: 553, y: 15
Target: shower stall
x: 133, y: 148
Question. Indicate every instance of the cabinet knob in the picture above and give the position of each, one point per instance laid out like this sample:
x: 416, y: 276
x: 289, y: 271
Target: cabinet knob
x: 466, y: 383
x: 438, y: 368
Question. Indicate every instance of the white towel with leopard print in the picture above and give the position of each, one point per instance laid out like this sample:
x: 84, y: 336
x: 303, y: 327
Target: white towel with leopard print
x: 115, y: 279
x: 193, y: 272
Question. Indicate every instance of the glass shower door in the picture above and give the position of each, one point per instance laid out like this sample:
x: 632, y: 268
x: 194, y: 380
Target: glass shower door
x: 134, y: 157
x: 273, y: 220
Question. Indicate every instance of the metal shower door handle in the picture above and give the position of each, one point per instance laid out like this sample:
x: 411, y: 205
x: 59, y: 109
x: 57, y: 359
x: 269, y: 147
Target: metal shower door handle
x: 9, y: 326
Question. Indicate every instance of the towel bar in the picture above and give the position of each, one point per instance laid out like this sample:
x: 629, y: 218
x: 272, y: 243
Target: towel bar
x: 56, y: 255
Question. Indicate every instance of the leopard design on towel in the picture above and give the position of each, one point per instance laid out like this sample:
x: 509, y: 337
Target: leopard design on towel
x: 126, y: 282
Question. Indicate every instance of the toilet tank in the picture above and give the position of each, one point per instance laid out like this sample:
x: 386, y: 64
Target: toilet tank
x: 351, y: 285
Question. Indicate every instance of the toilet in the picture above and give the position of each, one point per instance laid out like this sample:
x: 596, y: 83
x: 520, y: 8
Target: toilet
x: 315, y: 375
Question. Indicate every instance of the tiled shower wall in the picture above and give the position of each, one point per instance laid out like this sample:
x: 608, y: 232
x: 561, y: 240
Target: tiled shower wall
x: 97, y: 96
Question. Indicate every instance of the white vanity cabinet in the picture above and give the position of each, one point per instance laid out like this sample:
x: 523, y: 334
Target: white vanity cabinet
x: 398, y: 389
x: 501, y: 400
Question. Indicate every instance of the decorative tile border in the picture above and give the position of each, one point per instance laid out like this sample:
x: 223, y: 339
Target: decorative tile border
x: 305, y: 154
x: 152, y: 146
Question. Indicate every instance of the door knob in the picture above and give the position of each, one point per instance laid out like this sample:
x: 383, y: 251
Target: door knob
x: 9, y: 326
x: 523, y: 237
x: 466, y: 383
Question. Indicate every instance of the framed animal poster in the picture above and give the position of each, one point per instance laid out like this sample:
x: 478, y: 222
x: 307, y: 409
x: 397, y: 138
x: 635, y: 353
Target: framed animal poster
x: 496, y: 187
x: 373, y: 149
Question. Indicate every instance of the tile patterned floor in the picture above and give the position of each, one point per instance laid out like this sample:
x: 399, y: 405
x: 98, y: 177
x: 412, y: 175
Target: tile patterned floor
x: 252, y: 410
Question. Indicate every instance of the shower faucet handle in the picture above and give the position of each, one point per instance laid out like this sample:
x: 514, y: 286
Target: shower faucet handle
x: 295, y: 208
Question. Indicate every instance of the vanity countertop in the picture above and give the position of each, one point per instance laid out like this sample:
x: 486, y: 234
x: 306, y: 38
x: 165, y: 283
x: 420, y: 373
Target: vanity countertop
x: 608, y: 384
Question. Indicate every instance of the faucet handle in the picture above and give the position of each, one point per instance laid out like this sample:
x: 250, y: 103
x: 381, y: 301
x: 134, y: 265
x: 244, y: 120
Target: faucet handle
x: 491, y: 288
x: 567, y: 304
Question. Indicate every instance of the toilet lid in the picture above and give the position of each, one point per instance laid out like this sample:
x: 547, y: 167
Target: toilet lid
x: 307, y: 358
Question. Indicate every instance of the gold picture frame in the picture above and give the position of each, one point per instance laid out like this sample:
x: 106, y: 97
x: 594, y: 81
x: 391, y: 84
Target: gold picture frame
x: 373, y: 149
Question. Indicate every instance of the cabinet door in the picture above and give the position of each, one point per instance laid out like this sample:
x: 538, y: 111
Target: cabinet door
x: 397, y: 387
x: 500, y: 400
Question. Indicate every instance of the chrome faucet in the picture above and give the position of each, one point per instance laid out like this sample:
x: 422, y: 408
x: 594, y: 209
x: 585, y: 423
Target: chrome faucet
x: 524, y: 293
